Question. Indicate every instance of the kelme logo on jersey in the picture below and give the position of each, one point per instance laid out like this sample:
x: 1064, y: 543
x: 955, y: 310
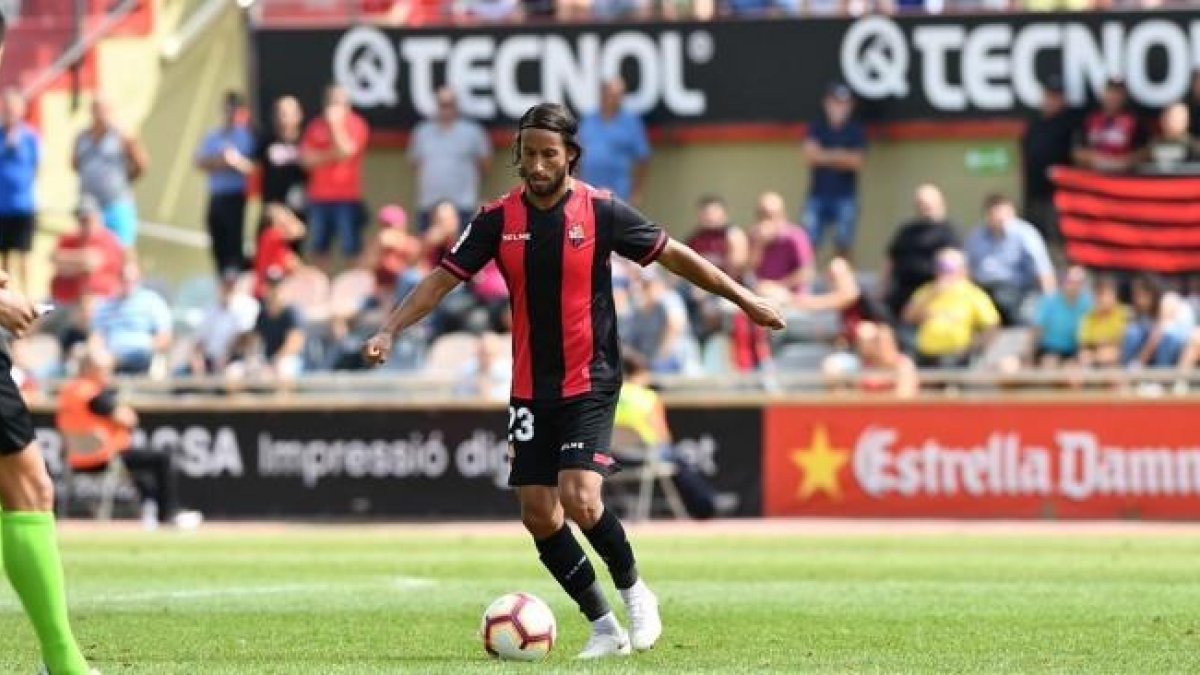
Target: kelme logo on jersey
x: 576, y: 235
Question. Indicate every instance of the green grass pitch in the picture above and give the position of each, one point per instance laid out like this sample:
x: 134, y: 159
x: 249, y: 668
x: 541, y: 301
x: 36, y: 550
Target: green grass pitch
x: 381, y: 600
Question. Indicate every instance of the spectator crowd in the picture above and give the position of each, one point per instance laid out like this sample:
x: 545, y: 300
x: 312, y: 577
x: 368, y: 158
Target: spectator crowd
x: 324, y: 270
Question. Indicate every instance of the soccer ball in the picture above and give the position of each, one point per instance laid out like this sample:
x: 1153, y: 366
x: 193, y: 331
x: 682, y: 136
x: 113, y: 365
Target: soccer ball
x: 518, y: 626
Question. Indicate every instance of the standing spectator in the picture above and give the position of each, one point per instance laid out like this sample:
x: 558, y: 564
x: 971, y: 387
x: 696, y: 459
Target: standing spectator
x: 225, y: 155
x: 87, y: 261
x: 659, y: 326
x: 780, y: 252
x: 450, y: 155
x: 615, y: 150
x: 283, y: 175
x: 911, y: 253
x: 134, y: 325
x: 1058, y: 320
x: 1008, y: 258
x: 835, y: 152
x: 1045, y: 144
x: 954, y: 317
x: 1173, y: 147
x: 278, y: 233
x: 220, y: 336
x: 19, y: 158
x: 720, y: 242
x: 1102, y: 330
x: 332, y: 151
x: 1113, y: 134
x: 108, y: 159
x: 279, y: 333
x: 485, y: 11
x: 759, y: 8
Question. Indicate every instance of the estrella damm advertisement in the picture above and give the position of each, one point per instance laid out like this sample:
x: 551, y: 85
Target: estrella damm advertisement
x: 1104, y: 459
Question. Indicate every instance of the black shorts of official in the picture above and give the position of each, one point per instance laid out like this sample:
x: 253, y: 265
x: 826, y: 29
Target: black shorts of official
x: 546, y: 437
x: 16, y: 232
x: 16, y: 424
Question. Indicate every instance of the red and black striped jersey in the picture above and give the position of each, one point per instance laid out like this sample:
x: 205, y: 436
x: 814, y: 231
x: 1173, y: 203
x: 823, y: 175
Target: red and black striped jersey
x: 557, y: 266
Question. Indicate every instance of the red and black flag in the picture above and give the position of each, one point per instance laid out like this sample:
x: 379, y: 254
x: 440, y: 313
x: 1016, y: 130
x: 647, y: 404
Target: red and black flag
x: 1142, y: 223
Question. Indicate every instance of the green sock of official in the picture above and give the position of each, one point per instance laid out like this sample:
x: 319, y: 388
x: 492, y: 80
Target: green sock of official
x: 30, y: 550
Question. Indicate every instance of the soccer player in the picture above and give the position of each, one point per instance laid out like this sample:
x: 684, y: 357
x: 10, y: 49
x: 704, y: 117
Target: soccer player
x: 552, y: 237
x: 27, y: 534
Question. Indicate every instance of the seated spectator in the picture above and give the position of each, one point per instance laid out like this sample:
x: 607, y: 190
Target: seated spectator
x: 640, y: 410
x: 1059, y: 317
x: 445, y: 226
x: 954, y: 317
x: 866, y: 341
x: 724, y: 245
x: 487, y: 374
x: 780, y: 253
x: 221, y: 335
x: 88, y: 260
x: 1174, y: 146
x: 1102, y: 330
x: 97, y: 427
x: 1161, y: 325
x: 394, y: 251
x: 280, y: 231
x: 1008, y: 258
x: 910, y: 255
x: 1113, y: 134
x: 134, y: 325
x: 278, y: 337
x: 659, y: 325
x: 490, y: 291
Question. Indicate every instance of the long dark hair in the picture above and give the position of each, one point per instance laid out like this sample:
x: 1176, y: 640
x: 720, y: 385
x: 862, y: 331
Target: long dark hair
x: 550, y: 117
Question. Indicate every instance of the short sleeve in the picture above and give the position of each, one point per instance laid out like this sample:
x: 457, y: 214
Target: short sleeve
x: 206, y: 148
x: 986, y: 314
x: 309, y: 140
x: 633, y: 235
x: 476, y: 246
x: 803, y: 248
x: 361, y: 134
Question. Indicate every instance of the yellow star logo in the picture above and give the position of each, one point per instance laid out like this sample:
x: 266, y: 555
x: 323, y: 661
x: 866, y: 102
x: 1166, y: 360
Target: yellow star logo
x: 820, y: 464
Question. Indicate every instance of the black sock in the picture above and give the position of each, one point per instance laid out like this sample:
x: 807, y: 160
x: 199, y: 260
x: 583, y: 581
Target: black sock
x: 609, y: 540
x: 567, y: 562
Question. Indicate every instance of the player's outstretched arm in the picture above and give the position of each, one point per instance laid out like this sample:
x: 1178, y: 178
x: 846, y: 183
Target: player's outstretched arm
x: 415, y: 306
x: 683, y: 261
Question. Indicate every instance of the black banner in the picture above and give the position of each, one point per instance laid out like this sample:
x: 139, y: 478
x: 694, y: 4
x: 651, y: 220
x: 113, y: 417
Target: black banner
x: 733, y: 72
x: 388, y: 463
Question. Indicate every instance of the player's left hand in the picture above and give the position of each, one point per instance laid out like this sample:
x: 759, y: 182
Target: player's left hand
x: 764, y: 313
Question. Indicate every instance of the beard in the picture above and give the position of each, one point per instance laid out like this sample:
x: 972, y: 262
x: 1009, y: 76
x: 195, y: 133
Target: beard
x: 547, y: 188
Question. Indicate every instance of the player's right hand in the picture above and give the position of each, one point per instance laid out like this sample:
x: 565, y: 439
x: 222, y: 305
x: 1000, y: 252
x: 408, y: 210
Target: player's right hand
x: 377, y: 348
x: 17, y: 313
x: 764, y: 313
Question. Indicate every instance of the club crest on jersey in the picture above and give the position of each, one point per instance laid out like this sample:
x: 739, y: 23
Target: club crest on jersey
x: 576, y: 235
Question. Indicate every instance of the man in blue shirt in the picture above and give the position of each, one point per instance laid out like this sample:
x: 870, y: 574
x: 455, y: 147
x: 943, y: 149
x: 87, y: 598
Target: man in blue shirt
x: 20, y: 152
x: 225, y: 154
x: 615, y: 149
x: 134, y: 324
x: 1008, y: 258
x: 834, y: 151
x: 1057, y: 320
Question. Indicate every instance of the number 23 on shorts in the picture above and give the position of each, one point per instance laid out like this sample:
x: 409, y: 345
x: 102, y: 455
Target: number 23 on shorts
x: 520, y: 424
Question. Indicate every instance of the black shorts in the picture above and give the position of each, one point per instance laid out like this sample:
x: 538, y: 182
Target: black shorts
x: 546, y: 437
x: 16, y: 232
x: 16, y: 424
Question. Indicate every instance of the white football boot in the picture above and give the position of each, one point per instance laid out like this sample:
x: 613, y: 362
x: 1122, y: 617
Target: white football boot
x: 606, y: 643
x: 645, y: 625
